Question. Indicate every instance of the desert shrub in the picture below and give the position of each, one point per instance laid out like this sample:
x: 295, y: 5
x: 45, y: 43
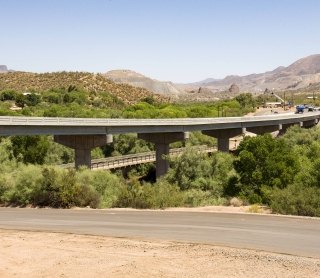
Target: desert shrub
x: 188, y: 168
x: 48, y: 190
x: 5, y: 151
x: 8, y: 95
x: 296, y: 199
x: 301, y: 136
x: 235, y: 202
x: 162, y: 195
x: 107, y: 185
x: 63, y: 188
x: 255, y: 208
x: 132, y: 196
x: 195, y: 198
x: 26, y: 180
x: 158, y: 195
x: 194, y: 170
x: 74, y: 193
x: 47, y: 186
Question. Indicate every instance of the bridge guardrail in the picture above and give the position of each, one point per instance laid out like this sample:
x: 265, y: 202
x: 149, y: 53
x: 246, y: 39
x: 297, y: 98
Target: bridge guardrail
x: 134, y: 159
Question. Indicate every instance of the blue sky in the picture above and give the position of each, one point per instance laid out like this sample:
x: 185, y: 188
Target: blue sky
x: 177, y: 40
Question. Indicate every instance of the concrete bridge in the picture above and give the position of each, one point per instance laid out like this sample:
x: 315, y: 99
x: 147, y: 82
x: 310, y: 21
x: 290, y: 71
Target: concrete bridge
x: 84, y: 134
x: 123, y: 161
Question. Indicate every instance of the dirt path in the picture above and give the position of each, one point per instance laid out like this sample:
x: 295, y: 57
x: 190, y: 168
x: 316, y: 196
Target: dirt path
x: 38, y: 254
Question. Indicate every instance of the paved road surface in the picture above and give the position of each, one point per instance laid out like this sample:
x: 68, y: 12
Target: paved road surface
x: 290, y: 235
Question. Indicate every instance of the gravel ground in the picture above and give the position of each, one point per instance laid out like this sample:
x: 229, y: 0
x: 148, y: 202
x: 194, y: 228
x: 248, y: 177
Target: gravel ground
x: 39, y: 254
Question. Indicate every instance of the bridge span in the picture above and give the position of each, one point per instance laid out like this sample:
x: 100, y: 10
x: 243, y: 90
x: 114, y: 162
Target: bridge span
x: 84, y: 134
x: 123, y: 161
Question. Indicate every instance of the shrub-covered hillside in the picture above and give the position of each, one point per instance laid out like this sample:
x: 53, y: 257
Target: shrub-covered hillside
x: 88, y: 82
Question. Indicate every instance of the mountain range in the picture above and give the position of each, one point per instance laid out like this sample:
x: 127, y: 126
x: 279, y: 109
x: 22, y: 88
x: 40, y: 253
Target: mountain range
x: 300, y: 74
x: 296, y: 76
x: 304, y: 74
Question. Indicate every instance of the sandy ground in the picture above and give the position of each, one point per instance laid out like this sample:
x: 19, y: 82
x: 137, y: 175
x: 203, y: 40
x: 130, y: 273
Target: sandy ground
x: 40, y: 254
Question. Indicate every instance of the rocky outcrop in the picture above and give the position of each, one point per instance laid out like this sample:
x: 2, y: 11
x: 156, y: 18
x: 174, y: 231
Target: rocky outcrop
x: 234, y: 89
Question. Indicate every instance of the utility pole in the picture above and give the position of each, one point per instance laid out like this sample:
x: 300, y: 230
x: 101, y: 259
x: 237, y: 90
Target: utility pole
x: 314, y: 99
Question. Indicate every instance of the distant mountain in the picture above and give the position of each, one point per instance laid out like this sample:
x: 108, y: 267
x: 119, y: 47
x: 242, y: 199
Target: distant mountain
x: 138, y: 80
x: 296, y: 76
x: 206, y: 81
x: 3, y: 68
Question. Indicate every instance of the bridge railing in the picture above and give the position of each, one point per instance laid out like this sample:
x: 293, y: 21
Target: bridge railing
x: 135, y: 159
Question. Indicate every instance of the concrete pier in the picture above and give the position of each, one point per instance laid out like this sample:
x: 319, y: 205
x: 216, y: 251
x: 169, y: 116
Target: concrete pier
x: 162, y: 141
x: 223, y: 136
x: 82, y: 144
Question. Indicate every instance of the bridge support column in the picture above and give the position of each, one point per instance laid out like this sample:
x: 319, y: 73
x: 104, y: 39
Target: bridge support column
x: 223, y: 136
x: 162, y: 141
x: 82, y: 144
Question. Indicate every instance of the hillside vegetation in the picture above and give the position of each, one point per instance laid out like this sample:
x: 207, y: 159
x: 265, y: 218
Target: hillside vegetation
x: 88, y: 82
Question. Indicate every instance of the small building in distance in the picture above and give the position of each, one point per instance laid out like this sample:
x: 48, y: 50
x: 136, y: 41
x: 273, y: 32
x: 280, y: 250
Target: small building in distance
x: 273, y: 104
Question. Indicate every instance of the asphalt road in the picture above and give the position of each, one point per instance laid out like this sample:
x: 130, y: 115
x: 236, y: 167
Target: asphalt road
x: 288, y: 235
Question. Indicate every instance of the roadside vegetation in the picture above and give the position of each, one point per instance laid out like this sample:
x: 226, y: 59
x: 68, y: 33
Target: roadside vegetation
x: 281, y: 173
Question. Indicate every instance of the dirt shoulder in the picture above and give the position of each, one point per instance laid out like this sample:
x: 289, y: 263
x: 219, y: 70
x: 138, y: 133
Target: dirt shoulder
x: 39, y: 254
x: 224, y: 209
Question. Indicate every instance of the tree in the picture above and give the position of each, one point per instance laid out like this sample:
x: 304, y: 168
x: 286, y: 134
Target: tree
x: 30, y: 149
x: 246, y: 100
x: 20, y: 100
x: 264, y: 162
x: 32, y: 99
x: 8, y: 95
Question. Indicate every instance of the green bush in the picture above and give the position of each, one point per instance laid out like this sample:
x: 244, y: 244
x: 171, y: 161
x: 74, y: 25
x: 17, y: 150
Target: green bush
x: 264, y: 161
x: 162, y: 195
x: 158, y: 195
x: 194, y: 170
x: 195, y: 198
x: 30, y: 149
x: 297, y: 200
x: 26, y: 182
x: 107, y: 185
x: 8, y: 95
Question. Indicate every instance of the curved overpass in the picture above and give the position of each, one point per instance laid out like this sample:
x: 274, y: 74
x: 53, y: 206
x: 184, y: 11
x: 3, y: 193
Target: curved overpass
x: 83, y: 134
x: 95, y: 126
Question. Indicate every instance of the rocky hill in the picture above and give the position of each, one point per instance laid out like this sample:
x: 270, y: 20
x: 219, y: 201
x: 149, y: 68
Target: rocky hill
x: 296, y: 76
x: 167, y: 89
x: 25, y: 81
